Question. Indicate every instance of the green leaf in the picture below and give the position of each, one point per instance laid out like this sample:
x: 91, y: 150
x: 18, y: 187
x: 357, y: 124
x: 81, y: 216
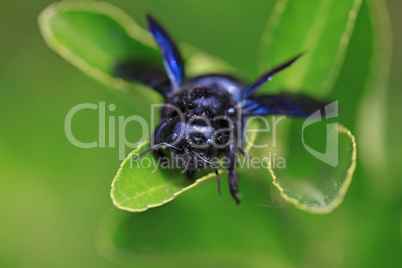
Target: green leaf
x: 147, y: 183
x: 321, y: 187
x: 360, y: 90
x: 322, y: 30
x: 94, y: 36
x: 374, y: 101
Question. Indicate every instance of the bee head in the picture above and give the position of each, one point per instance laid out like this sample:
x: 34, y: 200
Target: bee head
x: 196, y: 141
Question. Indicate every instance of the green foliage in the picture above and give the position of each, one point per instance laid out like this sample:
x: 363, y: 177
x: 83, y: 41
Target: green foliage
x: 142, y: 185
x: 320, y: 188
x: 321, y: 30
x: 95, y: 36
x: 74, y: 30
x: 55, y: 197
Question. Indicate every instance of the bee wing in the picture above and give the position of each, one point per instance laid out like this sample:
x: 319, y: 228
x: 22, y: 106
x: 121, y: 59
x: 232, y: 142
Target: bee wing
x: 150, y: 75
x: 172, y: 60
x: 291, y: 104
x: 266, y: 77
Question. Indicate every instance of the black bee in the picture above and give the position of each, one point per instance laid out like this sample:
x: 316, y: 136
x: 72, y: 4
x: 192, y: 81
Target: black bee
x: 205, y: 116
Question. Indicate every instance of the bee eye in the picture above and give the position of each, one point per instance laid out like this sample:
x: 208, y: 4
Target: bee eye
x: 172, y: 137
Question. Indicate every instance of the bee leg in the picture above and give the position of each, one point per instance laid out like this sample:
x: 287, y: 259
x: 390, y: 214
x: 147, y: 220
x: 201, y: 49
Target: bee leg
x: 242, y: 131
x: 243, y: 152
x: 233, y: 181
x: 233, y: 186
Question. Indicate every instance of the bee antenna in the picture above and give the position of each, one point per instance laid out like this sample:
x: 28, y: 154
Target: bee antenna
x: 155, y: 147
x: 218, y: 180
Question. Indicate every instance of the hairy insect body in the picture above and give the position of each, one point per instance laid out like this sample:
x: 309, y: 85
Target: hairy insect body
x: 203, y: 117
x: 201, y: 120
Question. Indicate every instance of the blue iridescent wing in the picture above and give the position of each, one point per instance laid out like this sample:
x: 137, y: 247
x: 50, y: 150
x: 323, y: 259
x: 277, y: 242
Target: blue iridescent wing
x: 172, y: 60
x: 266, y: 77
x: 281, y: 104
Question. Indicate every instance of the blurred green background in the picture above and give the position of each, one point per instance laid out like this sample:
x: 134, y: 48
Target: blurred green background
x: 55, y: 204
